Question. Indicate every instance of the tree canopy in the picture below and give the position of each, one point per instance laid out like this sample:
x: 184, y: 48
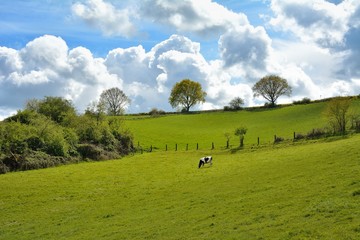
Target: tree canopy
x: 57, y: 109
x: 186, y: 94
x: 114, y: 101
x: 337, y: 112
x: 236, y: 103
x: 271, y: 87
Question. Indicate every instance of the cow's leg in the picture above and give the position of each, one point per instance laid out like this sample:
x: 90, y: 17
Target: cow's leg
x: 201, y: 163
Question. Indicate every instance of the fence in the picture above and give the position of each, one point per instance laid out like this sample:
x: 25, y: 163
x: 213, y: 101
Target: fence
x: 314, y: 134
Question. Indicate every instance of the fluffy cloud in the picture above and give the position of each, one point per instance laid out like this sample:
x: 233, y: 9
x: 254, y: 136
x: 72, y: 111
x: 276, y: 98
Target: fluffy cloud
x: 247, y: 47
x: 46, y: 67
x: 202, y: 17
x: 328, y: 34
x: 313, y: 21
x: 106, y: 17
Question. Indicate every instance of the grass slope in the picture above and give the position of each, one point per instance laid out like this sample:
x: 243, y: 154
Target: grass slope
x: 206, y: 128
x: 309, y: 191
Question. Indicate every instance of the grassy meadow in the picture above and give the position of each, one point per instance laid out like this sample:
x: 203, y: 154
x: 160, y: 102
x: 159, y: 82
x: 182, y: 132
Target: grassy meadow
x: 309, y: 190
x: 206, y: 128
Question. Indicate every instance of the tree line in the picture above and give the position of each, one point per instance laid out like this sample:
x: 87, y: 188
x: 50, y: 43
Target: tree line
x: 49, y: 132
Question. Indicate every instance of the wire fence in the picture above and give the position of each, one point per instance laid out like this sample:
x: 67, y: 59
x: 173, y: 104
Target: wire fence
x: 212, y: 145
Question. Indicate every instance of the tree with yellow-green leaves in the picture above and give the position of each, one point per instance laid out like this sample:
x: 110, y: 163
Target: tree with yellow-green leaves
x: 186, y: 94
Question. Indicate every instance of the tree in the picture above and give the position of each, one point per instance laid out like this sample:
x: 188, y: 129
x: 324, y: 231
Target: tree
x: 241, y: 131
x: 186, y: 93
x: 228, y: 136
x: 236, y: 103
x: 337, y: 114
x: 96, y: 110
x: 271, y: 87
x: 114, y: 100
x: 57, y: 109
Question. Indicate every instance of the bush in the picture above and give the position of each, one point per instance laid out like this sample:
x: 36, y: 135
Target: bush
x: 278, y: 139
x: 156, y: 112
x: 35, y: 143
x: 93, y: 152
x: 303, y: 101
x: 357, y: 126
x: 299, y: 136
x: 89, y: 151
x: 125, y: 139
x: 3, y: 168
x: 227, y: 108
x: 316, y: 133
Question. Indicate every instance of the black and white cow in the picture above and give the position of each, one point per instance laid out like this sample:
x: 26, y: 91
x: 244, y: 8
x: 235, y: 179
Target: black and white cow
x: 204, y: 160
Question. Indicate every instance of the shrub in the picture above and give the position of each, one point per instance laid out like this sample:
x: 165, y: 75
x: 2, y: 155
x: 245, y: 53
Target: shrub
x: 227, y: 108
x: 316, y: 133
x: 299, y: 136
x: 35, y: 143
x: 89, y: 151
x: 156, y: 112
x: 125, y: 139
x: 303, y: 101
x: 3, y: 168
x: 278, y: 139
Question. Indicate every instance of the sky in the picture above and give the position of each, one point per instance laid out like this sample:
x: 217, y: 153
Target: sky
x: 78, y: 48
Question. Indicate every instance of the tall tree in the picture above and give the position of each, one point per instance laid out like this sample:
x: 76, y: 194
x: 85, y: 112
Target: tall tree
x: 337, y: 112
x: 114, y: 100
x: 186, y: 93
x: 271, y: 87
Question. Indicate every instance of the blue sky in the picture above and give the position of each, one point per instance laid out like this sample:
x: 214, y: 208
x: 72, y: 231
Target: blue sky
x: 23, y: 20
x: 78, y: 48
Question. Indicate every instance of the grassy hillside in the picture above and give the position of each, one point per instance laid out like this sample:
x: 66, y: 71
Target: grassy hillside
x: 301, y: 191
x: 206, y: 128
x: 309, y: 191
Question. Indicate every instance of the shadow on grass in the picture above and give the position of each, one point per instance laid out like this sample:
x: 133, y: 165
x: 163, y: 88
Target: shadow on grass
x: 235, y: 150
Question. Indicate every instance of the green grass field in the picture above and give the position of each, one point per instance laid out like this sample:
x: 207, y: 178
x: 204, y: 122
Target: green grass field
x: 206, y: 128
x: 309, y: 190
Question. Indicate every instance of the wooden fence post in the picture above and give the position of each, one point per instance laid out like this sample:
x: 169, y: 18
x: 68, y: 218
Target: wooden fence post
x: 258, y: 141
x: 212, y: 146
x: 176, y: 147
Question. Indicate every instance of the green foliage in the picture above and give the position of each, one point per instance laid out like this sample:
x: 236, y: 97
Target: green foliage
x: 156, y: 112
x: 32, y: 132
x: 303, y: 101
x: 13, y: 137
x: 96, y: 110
x: 186, y: 94
x: 241, y: 131
x: 271, y: 87
x: 337, y: 112
x: 236, y: 104
x: 58, y: 109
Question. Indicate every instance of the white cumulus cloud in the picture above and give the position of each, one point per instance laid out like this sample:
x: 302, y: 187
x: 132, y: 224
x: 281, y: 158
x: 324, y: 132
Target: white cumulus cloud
x: 107, y: 18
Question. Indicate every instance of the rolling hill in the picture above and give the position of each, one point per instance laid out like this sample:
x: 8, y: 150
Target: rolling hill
x: 287, y: 191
